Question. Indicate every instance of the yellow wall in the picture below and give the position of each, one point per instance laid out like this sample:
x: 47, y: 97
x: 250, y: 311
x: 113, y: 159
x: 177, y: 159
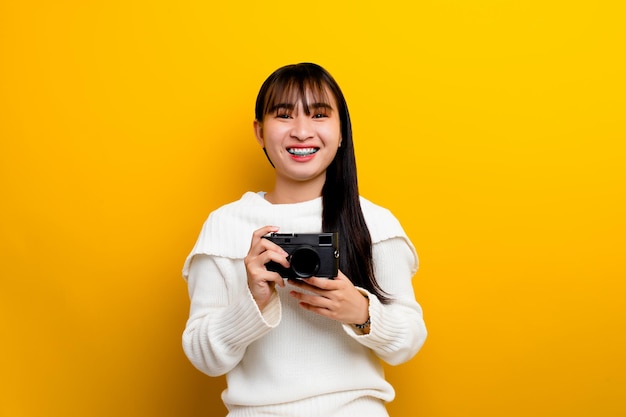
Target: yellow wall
x: 493, y: 129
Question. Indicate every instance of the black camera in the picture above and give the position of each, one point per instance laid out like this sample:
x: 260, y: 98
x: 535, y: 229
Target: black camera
x: 309, y: 254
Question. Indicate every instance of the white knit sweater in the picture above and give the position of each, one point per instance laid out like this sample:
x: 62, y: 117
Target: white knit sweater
x: 286, y: 360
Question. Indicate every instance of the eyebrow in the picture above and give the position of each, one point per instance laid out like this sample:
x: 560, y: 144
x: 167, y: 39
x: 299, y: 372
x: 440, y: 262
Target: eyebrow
x: 291, y: 106
x: 321, y: 106
x: 279, y: 106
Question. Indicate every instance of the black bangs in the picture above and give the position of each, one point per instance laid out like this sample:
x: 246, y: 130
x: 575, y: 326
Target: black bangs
x: 290, y: 85
x: 306, y: 91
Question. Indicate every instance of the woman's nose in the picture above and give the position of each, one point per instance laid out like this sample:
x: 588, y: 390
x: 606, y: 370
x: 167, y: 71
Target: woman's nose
x: 302, y: 129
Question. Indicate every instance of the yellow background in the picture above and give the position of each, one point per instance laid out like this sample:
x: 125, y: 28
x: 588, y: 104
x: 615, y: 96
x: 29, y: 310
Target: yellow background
x: 494, y: 130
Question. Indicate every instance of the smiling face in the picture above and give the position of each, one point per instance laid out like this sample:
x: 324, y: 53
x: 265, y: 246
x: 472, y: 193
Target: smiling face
x: 301, y: 135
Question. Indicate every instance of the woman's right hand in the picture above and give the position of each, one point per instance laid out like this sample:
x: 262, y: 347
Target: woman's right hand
x: 261, y: 281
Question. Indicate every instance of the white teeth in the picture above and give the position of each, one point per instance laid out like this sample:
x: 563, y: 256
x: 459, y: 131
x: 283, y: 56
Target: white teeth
x: 302, y: 151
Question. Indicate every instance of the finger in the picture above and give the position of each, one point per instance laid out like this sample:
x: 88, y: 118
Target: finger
x: 261, y: 276
x: 265, y: 230
x: 311, y: 299
x: 320, y: 283
x: 260, y: 245
x: 341, y: 281
x: 275, y: 278
x: 279, y: 256
x: 256, y: 265
x: 342, y: 277
x: 259, y: 233
x: 303, y: 284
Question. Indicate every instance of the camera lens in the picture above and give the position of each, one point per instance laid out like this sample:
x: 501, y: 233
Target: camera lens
x: 305, y: 262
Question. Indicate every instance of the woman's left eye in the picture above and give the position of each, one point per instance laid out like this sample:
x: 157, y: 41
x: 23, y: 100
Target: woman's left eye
x: 319, y: 115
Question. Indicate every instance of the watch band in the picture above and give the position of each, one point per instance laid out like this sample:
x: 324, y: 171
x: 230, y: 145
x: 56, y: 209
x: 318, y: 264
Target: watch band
x: 364, y: 325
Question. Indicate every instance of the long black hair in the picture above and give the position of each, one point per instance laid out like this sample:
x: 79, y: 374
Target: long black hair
x: 340, y: 194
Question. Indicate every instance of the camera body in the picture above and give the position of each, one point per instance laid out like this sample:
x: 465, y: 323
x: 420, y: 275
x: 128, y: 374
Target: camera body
x: 309, y: 254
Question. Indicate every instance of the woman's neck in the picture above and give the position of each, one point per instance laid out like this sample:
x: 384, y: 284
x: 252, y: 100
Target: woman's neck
x: 294, y: 192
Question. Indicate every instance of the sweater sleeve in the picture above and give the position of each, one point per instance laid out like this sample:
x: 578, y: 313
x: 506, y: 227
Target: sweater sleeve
x: 397, y: 329
x: 224, y: 318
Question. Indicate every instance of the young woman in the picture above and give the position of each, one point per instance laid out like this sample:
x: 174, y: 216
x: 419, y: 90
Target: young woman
x: 303, y: 347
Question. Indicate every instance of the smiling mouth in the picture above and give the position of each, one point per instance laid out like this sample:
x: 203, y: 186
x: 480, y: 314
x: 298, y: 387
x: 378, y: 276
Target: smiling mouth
x: 302, y: 151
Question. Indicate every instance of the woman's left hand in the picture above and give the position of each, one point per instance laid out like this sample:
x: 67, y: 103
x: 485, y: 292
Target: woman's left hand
x: 337, y: 298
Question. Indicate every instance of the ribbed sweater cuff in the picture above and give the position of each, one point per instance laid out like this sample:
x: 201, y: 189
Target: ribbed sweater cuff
x: 246, y: 323
x: 272, y: 312
x: 384, y: 334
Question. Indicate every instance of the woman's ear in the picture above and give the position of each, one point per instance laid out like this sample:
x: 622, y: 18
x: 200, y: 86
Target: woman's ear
x: 258, y: 132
